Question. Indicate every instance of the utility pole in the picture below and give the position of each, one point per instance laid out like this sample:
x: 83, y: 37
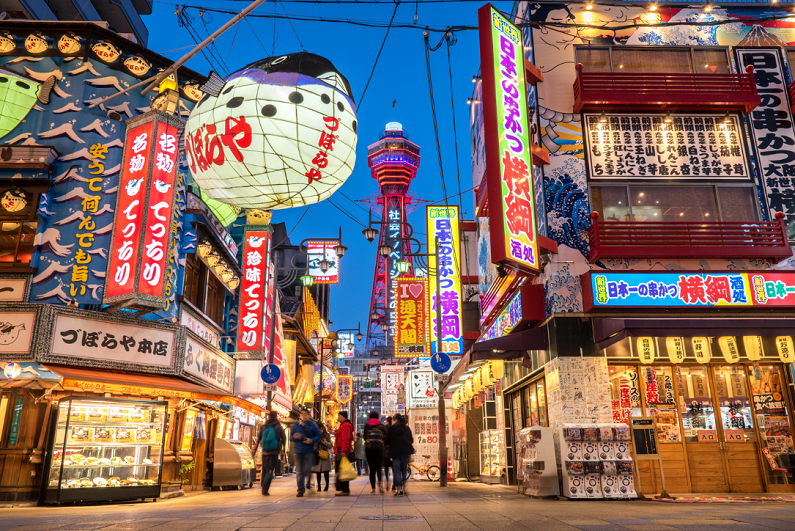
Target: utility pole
x: 272, y: 345
x: 440, y: 391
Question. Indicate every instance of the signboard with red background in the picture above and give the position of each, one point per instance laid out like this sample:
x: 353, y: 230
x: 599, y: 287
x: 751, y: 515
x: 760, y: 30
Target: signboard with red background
x: 144, y: 209
x: 251, y: 327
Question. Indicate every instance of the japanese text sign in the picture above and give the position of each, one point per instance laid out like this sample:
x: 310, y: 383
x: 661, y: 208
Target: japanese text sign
x: 411, y: 300
x: 344, y: 389
x: 318, y: 251
x: 250, y: 329
x: 209, y: 365
x: 512, y: 217
x: 82, y: 339
x: 692, y: 146
x: 443, y: 226
x: 685, y: 289
x: 138, y: 257
x: 772, y: 131
x: 422, y: 393
x: 506, y: 320
x: 345, y: 344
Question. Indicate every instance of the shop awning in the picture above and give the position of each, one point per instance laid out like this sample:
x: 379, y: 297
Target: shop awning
x: 607, y: 332
x: 511, y: 346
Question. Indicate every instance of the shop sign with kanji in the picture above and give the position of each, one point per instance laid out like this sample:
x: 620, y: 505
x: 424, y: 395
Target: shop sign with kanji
x: 514, y: 238
x: 443, y: 228
x: 411, y: 333
x: 139, y: 249
x: 208, y: 365
x: 251, y: 329
x: 686, y: 289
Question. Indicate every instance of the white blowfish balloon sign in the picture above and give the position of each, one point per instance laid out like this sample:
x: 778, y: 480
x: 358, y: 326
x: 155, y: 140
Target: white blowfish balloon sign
x: 280, y: 133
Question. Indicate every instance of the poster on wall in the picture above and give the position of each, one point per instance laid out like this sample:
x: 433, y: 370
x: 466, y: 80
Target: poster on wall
x: 392, y: 384
x: 422, y: 392
x: 692, y: 146
x: 424, y: 424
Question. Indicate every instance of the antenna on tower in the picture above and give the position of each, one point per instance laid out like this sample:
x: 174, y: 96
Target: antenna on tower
x: 393, y: 109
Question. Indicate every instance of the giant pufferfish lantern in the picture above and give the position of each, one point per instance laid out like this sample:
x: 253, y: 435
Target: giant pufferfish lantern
x: 280, y: 133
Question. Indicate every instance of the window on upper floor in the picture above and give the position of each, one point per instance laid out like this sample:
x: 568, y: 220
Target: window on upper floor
x: 203, y: 290
x: 654, y: 59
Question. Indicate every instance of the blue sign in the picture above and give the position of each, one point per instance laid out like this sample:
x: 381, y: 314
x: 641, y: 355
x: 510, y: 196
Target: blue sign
x: 440, y: 362
x: 271, y: 373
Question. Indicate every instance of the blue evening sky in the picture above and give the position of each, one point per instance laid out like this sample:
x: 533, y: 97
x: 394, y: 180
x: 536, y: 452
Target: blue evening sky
x: 400, y: 74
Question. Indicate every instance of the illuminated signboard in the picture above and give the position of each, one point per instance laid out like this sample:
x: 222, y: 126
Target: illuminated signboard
x: 506, y: 320
x: 316, y: 252
x: 514, y: 239
x: 280, y: 133
x: 684, y: 289
x: 394, y: 231
x: 251, y: 327
x: 343, y: 340
x: 411, y: 334
x: 139, y: 249
x: 344, y: 389
x: 443, y: 224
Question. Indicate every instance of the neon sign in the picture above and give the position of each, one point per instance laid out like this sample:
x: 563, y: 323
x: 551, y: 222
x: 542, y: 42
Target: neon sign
x: 411, y: 301
x: 443, y: 224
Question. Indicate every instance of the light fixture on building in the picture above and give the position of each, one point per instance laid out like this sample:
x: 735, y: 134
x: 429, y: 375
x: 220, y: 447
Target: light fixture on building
x: 370, y: 233
x: 340, y: 250
x: 469, y: 101
x: 12, y: 370
x: 307, y: 280
x: 603, y: 118
x: 402, y: 266
x: 385, y: 326
x: 667, y: 119
x: 350, y: 346
x: 374, y: 315
x: 227, y: 275
x: 385, y: 249
x: 707, y: 8
x: 213, y: 258
x: 204, y: 248
x: 726, y: 119
x: 653, y: 7
x: 324, y: 265
x: 589, y: 6
x: 220, y: 267
x: 234, y: 283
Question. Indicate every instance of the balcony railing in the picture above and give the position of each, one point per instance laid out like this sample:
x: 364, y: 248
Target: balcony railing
x: 689, y: 239
x: 597, y: 91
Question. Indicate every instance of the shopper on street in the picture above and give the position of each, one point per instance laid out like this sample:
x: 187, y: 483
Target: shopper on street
x: 304, y: 435
x: 323, y: 466
x: 400, y: 441
x: 271, y: 440
x: 387, y: 460
x: 374, y: 434
x: 343, y: 448
x: 361, y: 458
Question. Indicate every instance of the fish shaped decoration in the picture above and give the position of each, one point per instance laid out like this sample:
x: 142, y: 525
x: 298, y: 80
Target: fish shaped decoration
x: 18, y: 95
x: 137, y: 65
x: 7, y: 43
x: 106, y: 51
x: 9, y: 333
x: 68, y: 43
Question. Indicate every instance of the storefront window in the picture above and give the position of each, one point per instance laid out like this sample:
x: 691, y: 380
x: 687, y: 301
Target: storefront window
x: 624, y: 392
x: 610, y: 202
x: 695, y: 402
x: 658, y: 384
x: 673, y: 203
x: 531, y: 406
x: 770, y: 407
x: 735, y: 406
x: 542, y: 403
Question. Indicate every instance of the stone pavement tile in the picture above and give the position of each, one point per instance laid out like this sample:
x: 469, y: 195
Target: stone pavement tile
x: 600, y: 527
x: 36, y: 527
x: 769, y: 523
x: 85, y: 526
x: 406, y: 526
x: 550, y: 525
x: 648, y: 527
x: 177, y: 525
x: 453, y: 526
x: 629, y: 521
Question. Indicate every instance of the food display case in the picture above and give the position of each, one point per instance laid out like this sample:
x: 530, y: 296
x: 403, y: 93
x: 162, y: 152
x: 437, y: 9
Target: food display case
x: 492, y: 452
x: 233, y: 465
x: 104, y: 450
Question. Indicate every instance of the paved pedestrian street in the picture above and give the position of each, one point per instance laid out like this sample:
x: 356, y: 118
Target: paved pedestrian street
x: 459, y: 507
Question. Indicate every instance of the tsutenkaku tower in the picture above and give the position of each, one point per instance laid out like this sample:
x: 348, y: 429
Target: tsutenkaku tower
x: 393, y: 162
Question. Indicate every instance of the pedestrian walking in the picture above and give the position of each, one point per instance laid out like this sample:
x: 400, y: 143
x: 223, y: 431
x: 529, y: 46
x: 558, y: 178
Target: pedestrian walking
x: 387, y: 460
x: 271, y: 440
x: 361, y: 458
x: 304, y: 434
x: 401, y: 445
x: 323, y: 453
x: 374, y: 434
x: 343, y: 448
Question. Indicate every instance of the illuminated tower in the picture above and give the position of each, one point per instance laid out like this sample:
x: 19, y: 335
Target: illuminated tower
x: 393, y: 162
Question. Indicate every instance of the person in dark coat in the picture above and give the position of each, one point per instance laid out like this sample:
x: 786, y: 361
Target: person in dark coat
x: 270, y: 453
x: 304, y: 434
x: 374, y: 435
x: 387, y: 460
x: 401, y: 445
x: 323, y: 466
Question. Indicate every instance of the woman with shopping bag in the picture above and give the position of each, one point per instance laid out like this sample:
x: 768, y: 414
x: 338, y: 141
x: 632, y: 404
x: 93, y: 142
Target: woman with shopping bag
x: 343, y: 453
x: 323, y: 452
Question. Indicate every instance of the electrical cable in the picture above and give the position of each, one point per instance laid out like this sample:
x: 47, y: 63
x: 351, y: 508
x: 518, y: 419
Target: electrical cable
x: 255, y: 34
x: 381, y: 49
x: 295, y: 227
x: 335, y: 205
x: 454, y: 39
x: 185, y: 20
x: 237, y: 27
x: 291, y: 25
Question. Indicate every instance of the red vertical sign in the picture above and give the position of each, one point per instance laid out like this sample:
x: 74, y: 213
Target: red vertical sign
x: 250, y: 328
x: 160, y: 210
x: 129, y: 212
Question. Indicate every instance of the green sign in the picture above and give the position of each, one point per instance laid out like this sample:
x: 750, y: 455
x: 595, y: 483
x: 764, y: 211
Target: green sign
x: 12, y: 438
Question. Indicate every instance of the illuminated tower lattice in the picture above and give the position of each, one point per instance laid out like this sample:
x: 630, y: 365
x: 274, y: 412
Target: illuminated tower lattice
x: 393, y: 162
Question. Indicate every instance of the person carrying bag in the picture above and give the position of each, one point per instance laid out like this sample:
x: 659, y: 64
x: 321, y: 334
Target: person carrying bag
x: 344, y: 454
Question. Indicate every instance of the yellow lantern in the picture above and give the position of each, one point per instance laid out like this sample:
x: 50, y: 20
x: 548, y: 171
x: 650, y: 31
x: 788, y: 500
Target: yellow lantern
x: 728, y: 346
x: 469, y: 390
x: 676, y: 349
x: 477, y: 383
x: 753, y: 347
x: 497, y: 369
x: 646, y: 350
x: 701, y: 349
x: 785, y: 349
x: 485, y: 375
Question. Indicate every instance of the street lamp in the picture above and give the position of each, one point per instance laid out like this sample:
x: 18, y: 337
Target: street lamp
x: 324, y: 265
x: 403, y: 266
x: 307, y: 280
x: 340, y: 250
x: 370, y: 233
x: 385, y: 249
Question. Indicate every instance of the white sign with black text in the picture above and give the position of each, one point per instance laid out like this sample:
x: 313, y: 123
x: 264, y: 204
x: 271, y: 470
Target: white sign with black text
x: 196, y: 325
x: 209, y: 365
x: 422, y: 392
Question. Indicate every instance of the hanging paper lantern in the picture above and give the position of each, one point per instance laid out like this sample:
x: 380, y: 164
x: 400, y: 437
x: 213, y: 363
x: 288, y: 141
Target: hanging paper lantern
x: 785, y: 349
x: 226, y: 214
x: 469, y: 390
x: 68, y: 44
x: 477, y: 381
x: 137, y: 66
x: 701, y: 349
x: 234, y: 283
x: 497, y: 369
x: 14, y: 200
x: 646, y: 350
x: 284, y: 133
x: 676, y: 349
x: 204, y: 248
x: 212, y: 258
x: 36, y: 43
x: 106, y: 51
x: 192, y: 92
x: 485, y: 375
x: 12, y: 370
x: 6, y: 43
x: 728, y: 346
x: 753, y: 347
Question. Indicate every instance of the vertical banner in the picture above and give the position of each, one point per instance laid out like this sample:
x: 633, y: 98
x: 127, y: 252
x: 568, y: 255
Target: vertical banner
x: 392, y: 382
x: 512, y: 218
x: 251, y: 329
x: 138, y: 256
x: 344, y: 389
x: 394, y: 231
x: 772, y: 131
x: 443, y: 224
x: 411, y: 301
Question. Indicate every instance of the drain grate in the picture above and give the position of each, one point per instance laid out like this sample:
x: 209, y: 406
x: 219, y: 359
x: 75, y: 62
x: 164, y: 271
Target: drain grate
x: 390, y: 517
